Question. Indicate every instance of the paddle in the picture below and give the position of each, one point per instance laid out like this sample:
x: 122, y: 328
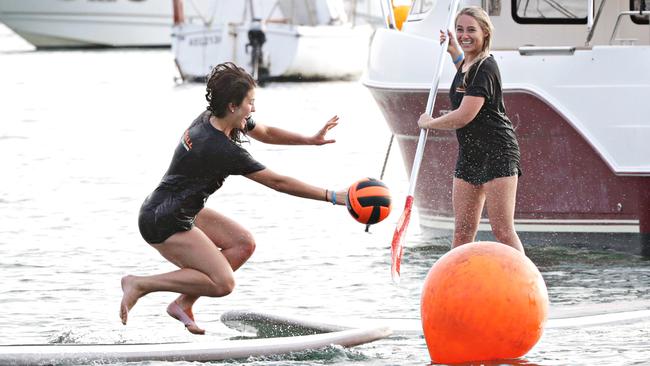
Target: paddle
x: 397, y: 246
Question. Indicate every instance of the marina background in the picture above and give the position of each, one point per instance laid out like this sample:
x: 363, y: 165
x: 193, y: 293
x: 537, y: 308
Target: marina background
x: 86, y: 135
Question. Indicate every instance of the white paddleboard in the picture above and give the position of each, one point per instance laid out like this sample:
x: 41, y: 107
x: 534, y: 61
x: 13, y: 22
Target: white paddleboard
x: 267, y: 325
x: 273, y: 325
x: 74, y: 354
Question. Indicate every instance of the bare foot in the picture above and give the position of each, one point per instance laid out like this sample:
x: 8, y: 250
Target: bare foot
x: 129, y: 297
x: 185, y: 316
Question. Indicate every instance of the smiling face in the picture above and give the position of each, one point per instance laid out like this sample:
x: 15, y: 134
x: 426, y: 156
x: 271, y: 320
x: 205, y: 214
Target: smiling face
x: 471, y: 37
x: 243, y: 110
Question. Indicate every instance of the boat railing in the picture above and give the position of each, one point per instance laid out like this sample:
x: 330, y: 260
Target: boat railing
x: 535, y: 51
x: 592, y: 22
x: 388, y: 14
x: 618, y: 21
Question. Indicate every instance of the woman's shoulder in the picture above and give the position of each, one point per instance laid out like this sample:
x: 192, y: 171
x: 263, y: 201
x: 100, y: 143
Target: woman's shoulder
x: 491, y: 63
x: 202, y: 118
x: 486, y: 67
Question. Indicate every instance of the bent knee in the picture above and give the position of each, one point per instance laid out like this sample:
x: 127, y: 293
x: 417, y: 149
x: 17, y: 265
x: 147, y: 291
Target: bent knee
x: 246, y: 245
x: 223, y: 287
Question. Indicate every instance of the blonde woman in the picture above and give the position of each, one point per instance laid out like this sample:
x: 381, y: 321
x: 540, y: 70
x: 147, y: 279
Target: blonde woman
x: 488, y: 166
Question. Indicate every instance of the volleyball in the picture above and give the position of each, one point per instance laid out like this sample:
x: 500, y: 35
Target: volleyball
x: 368, y: 201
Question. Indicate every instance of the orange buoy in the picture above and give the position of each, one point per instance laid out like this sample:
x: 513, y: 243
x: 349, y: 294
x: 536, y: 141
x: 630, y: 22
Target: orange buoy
x: 482, y: 301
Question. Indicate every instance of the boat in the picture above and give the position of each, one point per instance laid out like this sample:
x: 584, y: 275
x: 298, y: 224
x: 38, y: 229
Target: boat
x: 575, y: 79
x: 307, y: 39
x: 52, y: 24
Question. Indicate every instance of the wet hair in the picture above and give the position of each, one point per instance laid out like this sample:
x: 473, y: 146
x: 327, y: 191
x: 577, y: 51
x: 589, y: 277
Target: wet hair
x: 483, y: 20
x: 228, y: 83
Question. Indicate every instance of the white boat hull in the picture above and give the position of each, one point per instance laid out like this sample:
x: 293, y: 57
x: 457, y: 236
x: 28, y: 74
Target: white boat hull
x: 327, y: 52
x: 86, y: 23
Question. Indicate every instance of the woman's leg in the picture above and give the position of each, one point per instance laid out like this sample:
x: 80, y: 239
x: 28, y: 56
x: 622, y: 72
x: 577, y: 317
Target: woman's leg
x: 236, y: 244
x: 204, y: 271
x: 468, y: 202
x: 501, y: 196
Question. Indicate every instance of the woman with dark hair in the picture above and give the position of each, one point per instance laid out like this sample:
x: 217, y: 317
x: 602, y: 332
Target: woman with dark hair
x: 205, y: 245
x: 488, y: 167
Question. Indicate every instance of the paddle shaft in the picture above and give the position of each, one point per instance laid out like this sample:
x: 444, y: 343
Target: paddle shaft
x: 397, y: 246
x: 390, y: 17
x: 422, y: 141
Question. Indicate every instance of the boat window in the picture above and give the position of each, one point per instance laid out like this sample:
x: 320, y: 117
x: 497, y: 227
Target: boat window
x: 494, y: 7
x: 421, y: 6
x: 550, y: 11
x: 642, y: 5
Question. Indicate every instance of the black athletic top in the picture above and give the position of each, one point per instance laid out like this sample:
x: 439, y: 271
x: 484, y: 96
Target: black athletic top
x: 202, y: 160
x: 488, y: 146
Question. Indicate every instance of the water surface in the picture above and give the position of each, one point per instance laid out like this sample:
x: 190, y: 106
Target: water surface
x: 86, y: 135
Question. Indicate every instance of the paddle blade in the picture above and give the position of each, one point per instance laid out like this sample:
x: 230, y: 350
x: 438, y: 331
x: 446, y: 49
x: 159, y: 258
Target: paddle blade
x: 397, y: 246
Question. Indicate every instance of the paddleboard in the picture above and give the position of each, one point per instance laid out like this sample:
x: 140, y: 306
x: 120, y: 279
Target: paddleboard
x: 74, y: 354
x: 273, y: 325
x: 267, y: 325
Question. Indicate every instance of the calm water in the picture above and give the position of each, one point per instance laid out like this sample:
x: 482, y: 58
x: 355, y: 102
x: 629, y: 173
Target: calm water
x: 85, y: 136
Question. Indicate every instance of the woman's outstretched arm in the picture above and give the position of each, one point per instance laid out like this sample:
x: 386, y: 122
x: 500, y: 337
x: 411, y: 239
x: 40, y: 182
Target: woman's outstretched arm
x: 278, y: 136
x: 295, y: 187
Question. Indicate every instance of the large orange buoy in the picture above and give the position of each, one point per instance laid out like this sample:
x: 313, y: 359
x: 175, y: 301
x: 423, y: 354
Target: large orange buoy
x: 482, y: 301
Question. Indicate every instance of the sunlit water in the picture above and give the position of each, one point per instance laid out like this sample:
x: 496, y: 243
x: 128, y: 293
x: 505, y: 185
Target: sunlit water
x: 85, y: 136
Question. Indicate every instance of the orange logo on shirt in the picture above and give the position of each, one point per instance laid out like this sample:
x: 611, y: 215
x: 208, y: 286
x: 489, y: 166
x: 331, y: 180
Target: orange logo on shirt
x: 187, y: 142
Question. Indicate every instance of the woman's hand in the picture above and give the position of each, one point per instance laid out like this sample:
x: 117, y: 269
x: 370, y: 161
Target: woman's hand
x: 452, y: 47
x: 319, y: 137
x: 424, y: 120
x: 279, y: 136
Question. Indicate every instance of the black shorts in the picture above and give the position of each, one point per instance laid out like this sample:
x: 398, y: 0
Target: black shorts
x: 478, y: 174
x: 158, y: 220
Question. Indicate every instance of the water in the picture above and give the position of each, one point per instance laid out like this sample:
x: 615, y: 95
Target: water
x: 86, y: 135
